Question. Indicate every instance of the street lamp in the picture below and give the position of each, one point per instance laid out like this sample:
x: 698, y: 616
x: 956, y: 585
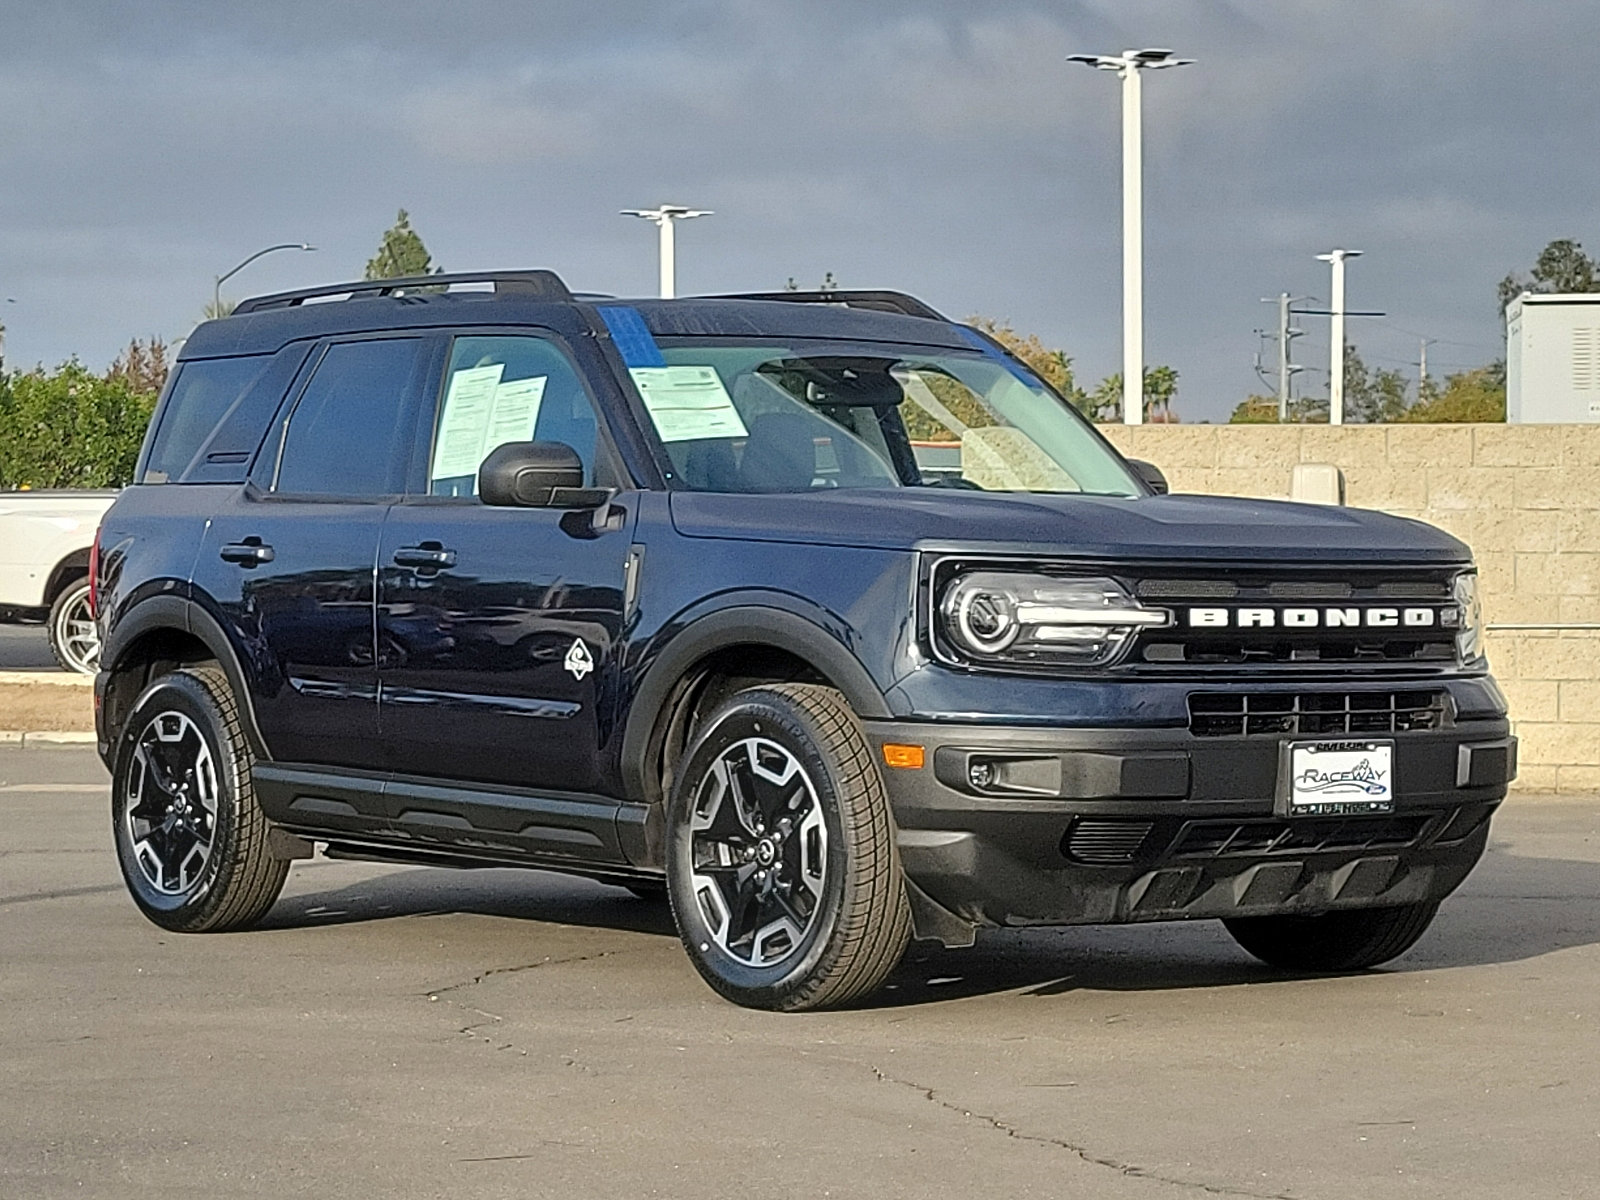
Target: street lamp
x: 1128, y: 64
x: 1336, y: 316
x: 216, y: 293
x: 665, y: 217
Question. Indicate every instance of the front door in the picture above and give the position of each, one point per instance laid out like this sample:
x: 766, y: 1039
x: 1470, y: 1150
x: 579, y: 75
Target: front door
x: 498, y: 628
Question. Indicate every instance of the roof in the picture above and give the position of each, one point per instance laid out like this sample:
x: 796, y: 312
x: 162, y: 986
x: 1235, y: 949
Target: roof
x: 265, y: 324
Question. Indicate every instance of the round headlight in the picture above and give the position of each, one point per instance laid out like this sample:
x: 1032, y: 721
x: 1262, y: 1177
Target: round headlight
x: 985, y: 618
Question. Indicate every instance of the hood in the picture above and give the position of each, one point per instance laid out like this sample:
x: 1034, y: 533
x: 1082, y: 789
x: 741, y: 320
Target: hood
x: 1209, y: 528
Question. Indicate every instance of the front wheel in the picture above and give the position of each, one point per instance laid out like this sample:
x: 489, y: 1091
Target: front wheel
x: 74, y: 637
x: 782, y: 865
x: 190, y: 837
x: 1350, y: 940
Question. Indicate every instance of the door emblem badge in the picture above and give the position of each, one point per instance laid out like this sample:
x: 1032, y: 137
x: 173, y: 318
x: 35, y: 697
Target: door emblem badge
x: 578, y: 660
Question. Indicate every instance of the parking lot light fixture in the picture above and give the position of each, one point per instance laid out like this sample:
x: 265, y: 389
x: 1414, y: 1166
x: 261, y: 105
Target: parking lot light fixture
x: 1128, y: 65
x: 666, y: 216
x: 216, y: 292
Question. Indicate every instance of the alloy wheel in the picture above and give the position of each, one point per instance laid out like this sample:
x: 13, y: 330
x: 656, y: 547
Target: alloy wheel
x: 171, y: 810
x: 759, y: 852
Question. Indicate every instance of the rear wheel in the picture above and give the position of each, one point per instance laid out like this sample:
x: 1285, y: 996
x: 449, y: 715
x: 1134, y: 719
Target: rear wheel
x: 782, y: 864
x: 74, y: 637
x: 1351, y: 940
x: 191, y: 840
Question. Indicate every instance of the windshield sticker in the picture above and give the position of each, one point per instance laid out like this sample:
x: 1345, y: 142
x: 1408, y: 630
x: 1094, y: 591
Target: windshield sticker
x: 688, y: 403
x: 480, y: 413
x: 632, y: 337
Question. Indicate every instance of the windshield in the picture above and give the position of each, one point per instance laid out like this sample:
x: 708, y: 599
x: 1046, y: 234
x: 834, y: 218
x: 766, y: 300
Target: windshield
x: 742, y: 416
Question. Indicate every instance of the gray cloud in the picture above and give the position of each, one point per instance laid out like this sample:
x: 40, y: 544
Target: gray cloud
x: 941, y: 147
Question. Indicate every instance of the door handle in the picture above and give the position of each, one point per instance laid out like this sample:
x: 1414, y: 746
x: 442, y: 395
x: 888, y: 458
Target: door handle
x: 432, y: 556
x: 248, y: 553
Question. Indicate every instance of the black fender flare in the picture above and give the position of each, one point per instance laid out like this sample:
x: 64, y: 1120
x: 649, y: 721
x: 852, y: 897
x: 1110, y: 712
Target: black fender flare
x: 158, y: 613
x: 757, y: 624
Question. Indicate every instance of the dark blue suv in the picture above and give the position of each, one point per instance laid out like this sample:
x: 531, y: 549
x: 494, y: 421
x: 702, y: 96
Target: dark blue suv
x: 818, y: 613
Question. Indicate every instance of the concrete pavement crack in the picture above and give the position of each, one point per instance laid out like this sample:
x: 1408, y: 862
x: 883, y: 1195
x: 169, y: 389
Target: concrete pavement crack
x: 435, y: 993
x: 1131, y: 1170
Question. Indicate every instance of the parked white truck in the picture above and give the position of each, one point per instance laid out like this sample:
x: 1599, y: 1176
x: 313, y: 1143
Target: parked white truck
x: 44, y: 567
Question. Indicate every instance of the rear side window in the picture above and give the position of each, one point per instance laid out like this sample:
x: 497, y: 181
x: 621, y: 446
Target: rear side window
x: 351, y: 433
x: 204, y: 392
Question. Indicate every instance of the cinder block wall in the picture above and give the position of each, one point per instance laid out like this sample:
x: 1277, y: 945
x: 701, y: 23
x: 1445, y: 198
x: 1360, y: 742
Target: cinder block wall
x: 1526, y: 498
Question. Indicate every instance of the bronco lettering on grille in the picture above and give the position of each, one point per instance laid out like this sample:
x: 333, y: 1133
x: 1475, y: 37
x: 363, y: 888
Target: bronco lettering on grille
x: 1315, y: 618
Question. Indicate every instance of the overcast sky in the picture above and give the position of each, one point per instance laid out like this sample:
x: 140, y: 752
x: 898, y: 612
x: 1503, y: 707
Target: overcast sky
x: 946, y: 149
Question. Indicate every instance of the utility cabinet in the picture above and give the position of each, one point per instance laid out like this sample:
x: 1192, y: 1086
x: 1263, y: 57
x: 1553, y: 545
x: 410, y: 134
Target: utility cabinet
x: 1553, y: 359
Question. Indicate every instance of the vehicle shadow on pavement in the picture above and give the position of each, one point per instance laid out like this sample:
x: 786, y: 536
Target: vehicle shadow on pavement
x: 515, y: 894
x: 1514, y: 908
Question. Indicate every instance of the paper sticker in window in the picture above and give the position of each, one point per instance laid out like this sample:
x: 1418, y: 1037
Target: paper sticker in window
x: 480, y: 413
x: 688, y: 403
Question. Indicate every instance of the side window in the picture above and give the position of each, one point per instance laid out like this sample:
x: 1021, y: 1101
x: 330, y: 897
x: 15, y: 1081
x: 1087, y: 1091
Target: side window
x: 204, y: 392
x: 509, y: 389
x: 348, y: 435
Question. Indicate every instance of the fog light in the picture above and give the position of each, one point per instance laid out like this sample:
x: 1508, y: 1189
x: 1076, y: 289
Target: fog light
x: 980, y: 773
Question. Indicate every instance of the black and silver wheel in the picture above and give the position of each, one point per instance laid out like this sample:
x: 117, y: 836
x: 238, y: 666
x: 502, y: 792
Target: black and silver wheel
x: 782, y: 865
x: 1349, y: 940
x: 74, y: 637
x: 191, y: 840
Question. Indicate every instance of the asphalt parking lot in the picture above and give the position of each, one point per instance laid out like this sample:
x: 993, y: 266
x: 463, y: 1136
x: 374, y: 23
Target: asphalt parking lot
x: 403, y: 1032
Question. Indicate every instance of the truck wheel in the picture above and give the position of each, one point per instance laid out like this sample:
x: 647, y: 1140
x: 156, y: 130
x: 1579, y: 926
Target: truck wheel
x: 1351, y: 940
x: 782, y: 865
x: 191, y: 840
x: 74, y: 638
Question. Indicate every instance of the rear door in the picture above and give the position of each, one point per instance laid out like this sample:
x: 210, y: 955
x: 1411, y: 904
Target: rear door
x: 498, y: 628
x: 289, y: 559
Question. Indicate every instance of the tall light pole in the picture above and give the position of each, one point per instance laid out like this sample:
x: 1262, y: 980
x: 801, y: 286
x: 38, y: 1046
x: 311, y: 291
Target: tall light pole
x: 1336, y: 315
x: 1128, y: 65
x: 665, y: 217
x: 216, y: 292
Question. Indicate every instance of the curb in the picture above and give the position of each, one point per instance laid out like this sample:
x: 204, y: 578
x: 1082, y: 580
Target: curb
x: 47, y: 679
x: 45, y: 737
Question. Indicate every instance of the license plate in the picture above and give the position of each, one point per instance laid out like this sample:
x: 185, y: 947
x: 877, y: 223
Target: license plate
x: 1332, y: 778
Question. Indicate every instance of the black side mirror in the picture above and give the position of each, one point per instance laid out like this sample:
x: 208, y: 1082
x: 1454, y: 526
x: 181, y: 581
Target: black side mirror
x: 536, y: 475
x: 1151, y: 475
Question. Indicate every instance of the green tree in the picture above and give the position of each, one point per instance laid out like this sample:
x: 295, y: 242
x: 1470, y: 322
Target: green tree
x: 1475, y: 395
x: 1562, y: 266
x: 70, y: 428
x: 1372, y: 396
x: 1160, y: 390
x: 1052, y: 366
x: 401, y: 254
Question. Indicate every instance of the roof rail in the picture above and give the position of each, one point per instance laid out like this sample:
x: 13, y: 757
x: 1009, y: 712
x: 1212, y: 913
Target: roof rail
x: 540, y: 285
x: 877, y: 300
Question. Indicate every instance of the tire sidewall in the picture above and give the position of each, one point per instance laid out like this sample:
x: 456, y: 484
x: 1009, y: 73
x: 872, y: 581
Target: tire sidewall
x: 184, y: 693
x: 757, y: 713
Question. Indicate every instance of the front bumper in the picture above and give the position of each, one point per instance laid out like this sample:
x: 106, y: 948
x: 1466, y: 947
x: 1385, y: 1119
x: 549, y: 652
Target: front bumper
x: 1089, y: 826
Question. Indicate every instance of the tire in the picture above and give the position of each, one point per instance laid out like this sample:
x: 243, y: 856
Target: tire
x: 191, y: 839
x: 74, y: 637
x: 1351, y: 940
x: 782, y: 864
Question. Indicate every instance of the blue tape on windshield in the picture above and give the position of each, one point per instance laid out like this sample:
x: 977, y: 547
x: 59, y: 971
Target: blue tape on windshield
x: 980, y: 343
x: 632, y: 336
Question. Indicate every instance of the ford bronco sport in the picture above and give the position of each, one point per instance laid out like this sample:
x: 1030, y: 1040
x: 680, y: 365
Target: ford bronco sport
x: 819, y: 613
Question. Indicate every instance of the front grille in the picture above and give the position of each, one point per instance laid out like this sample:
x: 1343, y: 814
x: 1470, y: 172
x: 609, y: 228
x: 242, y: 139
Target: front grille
x: 1311, y: 618
x: 1212, y: 839
x: 1318, y: 714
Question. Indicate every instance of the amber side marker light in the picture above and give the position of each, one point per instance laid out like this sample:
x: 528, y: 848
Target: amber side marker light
x: 897, y: 755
